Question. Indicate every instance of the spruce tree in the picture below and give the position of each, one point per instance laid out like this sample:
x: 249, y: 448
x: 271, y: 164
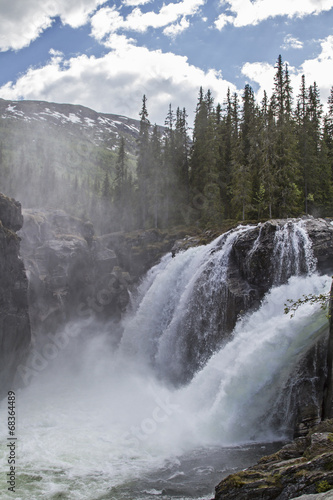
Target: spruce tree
x: 285, y: 148
x: 143, y: 164
x: 156, y: 185
x: 120, y: 181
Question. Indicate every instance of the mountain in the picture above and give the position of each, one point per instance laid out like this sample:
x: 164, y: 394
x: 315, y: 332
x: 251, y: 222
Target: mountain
x: 101, y: 129
x: 59, y: 155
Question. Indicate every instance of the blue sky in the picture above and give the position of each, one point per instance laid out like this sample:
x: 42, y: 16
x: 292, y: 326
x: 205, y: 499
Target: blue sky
x: 107, y: 54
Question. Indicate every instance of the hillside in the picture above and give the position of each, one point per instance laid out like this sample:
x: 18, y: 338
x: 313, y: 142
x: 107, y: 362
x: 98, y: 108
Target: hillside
x: 57, y: 155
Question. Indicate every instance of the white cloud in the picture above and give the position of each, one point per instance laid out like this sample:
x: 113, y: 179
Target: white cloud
x: 246, y: 12
x: 261, y: 73
x: 316, y: 69
x: 320, y: 69
x: 22, y: 22
x: 169, y: 13
x: 106, y: 20
x: 135, y: 3
x: 291, y: 42
x: 175, y: 29
x: 172, y: 17
x: 223, y: 20
x: 116, y: 82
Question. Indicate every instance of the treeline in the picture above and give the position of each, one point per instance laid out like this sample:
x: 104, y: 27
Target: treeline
x: 245, y: 160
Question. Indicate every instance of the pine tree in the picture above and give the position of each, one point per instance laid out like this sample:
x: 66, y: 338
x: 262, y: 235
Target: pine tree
x: 227, y: 136
x: 284, y: 157
x: 266, y: 195
x: 182, y: 148
x: 243, y: 169
x: 120, y: 181
x: 156, y: 177
x: 328, y: 131
x: 106, y: 188
x: 143, y: 164
x: 168, y: 164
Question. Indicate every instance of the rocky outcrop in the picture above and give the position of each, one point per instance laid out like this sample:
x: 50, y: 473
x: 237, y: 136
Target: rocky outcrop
x: 304, y: 466
x: 71, y: 273
x: 257, y: 262
x: 138, y: 251
x: 14, y: 317
x: 261, y: 256
x: 255, y: 253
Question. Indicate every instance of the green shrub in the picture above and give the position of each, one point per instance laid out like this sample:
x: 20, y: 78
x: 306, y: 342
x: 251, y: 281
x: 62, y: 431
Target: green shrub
x: 323, y: 486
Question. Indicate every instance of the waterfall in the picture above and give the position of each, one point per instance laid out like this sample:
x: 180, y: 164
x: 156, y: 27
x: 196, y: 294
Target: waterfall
x: 181, y: 312
x: 292, y: 252
x: 240, y: 394
x: 186, y: 307
x: 194, y: 370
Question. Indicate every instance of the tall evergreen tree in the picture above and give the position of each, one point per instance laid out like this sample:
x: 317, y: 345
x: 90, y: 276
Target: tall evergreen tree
x: 143, y: 163
x: 227, y: 137
x: 284, y: 155
x: 156, y: 186
x: 120, y: 182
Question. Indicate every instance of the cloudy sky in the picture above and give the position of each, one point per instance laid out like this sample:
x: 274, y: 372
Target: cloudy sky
x: 107, y: 54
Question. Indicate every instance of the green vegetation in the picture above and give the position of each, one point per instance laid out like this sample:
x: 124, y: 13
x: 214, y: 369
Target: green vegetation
x: 323, y: 486
x: 292, y: 306
x: 244, y: 161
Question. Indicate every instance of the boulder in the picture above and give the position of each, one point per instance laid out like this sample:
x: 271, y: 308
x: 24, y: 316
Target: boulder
x: 304, y: 466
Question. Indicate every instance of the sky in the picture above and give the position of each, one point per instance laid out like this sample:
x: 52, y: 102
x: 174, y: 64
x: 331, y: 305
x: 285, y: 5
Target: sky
x: 106, y: 54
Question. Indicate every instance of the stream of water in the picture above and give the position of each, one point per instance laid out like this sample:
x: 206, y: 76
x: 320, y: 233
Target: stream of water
x: 99, y: 422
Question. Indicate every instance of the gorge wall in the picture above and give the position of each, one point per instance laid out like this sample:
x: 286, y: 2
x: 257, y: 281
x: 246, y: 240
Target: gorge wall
x: 14, y: 316
x: 75, y: 274
x: 72, y: 274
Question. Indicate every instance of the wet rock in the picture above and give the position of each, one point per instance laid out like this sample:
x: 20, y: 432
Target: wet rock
x: 14, y: 317
x: 71, y: 272
x: 304, y: 466
x: 139, y: 250
x: 10, y: 213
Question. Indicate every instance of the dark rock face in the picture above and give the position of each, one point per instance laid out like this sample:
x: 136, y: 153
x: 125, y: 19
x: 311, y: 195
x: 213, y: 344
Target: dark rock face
x: 255, y: 264
x: 139, y: 250
x: 10, y: 211
x: 301, y: 467
x: 71, y: 273
x: 14, y: 317
x: 254, y: 252
x: 261, y: 256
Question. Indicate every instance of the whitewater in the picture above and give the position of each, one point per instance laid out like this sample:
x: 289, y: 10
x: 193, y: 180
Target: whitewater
x: 101, y: 421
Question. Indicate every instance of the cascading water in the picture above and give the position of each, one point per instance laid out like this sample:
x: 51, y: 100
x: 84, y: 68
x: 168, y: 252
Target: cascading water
x: 98, y: 423
x: 292, y: 252
x: 181, y: 313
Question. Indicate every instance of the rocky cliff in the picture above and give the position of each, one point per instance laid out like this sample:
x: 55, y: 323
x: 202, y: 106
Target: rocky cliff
x: 71, y: 273
x: 14, y: 317
x: 261, y: 256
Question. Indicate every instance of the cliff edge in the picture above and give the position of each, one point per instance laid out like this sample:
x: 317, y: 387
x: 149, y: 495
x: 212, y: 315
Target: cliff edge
x: 14, y: 317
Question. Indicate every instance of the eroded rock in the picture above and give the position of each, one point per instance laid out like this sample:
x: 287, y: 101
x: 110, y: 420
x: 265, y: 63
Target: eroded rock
x: 72, y: 274
x: 304, y: 466
x: 14, y: 316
